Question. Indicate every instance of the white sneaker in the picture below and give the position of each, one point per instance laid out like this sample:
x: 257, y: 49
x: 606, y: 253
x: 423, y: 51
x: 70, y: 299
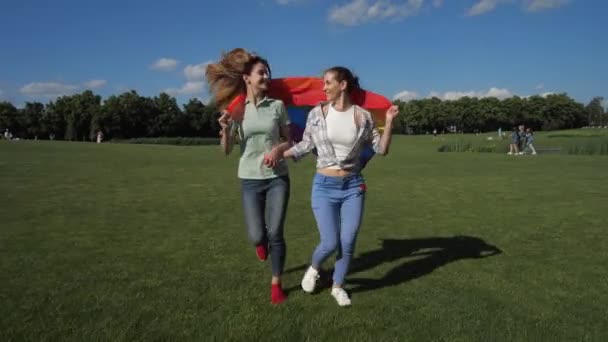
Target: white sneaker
x: 341, y: 296
x: 309, y: 282
x: 509, y: 152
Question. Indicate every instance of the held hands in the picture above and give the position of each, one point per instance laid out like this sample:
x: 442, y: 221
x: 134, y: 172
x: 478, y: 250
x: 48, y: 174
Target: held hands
x: 272, y: 158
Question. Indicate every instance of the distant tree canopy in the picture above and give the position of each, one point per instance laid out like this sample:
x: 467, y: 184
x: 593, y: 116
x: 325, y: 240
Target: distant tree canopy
x: 128, y: 115
x: 469, y: 114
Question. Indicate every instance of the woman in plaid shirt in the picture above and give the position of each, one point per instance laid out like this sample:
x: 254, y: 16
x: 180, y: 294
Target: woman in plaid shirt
x: 339, y: 130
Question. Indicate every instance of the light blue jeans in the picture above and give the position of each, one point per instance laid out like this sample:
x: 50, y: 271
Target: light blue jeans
x: 337, y: 203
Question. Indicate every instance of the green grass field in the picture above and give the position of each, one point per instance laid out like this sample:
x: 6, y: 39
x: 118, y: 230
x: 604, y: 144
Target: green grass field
x: 117, y: 242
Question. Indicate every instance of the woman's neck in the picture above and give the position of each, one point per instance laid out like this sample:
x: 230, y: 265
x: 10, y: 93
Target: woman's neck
x: 342, y: 104
x: 255, y: 96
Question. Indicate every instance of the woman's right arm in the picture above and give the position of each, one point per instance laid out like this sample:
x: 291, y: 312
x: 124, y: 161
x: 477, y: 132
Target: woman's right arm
x: 302, y: 148
x: 226, y: 136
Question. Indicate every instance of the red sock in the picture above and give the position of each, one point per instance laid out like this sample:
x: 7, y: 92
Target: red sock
x: 277, y: 296
x: 262, y: 251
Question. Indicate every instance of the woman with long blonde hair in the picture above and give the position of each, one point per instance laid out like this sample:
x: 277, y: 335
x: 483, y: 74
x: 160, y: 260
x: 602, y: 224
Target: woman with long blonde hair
x: 263, y: 135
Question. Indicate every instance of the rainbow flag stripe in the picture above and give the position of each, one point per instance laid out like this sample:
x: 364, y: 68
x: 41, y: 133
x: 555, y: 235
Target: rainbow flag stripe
x: 301, y: 94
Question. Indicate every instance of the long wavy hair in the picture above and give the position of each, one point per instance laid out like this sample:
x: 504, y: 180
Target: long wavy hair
x: 225, y: 77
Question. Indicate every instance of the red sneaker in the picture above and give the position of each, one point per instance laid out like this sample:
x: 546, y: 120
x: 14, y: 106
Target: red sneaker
x: 262, y: 251
x: 277, y: 296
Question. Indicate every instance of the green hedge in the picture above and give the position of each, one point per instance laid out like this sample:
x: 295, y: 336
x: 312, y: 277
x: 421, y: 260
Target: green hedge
x: 184, y: 141
x: 578, y: 145
x: 475, y: 145
x: 591, y: 146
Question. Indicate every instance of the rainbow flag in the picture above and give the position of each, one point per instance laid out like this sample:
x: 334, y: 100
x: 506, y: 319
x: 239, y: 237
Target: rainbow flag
x: 301, y: 94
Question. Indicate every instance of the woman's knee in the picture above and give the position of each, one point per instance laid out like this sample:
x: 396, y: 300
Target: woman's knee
x: 255, y: 237
x: 329, y: 245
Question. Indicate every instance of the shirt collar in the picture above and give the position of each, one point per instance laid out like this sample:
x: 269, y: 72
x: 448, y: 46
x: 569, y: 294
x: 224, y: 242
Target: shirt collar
x: 265, y: 99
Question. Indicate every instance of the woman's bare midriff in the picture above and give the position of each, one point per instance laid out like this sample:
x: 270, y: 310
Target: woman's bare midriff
x: 334, y: 172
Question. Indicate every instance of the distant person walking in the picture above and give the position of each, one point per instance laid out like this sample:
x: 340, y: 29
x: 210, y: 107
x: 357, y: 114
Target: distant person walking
x: 529, y: 141
x: 515, y: 139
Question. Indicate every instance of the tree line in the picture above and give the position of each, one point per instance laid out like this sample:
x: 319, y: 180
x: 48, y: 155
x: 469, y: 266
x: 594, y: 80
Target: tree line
x: 128, y: 115
x: 470, y: 114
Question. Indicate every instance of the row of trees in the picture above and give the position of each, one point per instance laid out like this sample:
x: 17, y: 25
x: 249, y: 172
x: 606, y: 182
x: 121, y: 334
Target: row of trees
x: 79, y: 117
x: 557, y: 111
x: 129, y: 115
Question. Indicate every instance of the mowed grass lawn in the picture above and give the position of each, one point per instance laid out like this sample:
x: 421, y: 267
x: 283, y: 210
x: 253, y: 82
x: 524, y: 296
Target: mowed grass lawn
x: 121, y: 242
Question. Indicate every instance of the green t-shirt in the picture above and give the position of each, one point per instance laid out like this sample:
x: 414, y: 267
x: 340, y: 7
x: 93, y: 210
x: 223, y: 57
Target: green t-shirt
x: 258, y: 133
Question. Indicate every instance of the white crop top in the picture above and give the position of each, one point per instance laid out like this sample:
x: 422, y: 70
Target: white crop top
x: 341, y: 131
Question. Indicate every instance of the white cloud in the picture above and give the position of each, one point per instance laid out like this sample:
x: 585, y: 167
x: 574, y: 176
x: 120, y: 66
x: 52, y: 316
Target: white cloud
x: 48, y: 89
x: 191, y: 87
x: 484, y: 6
x: 499, y: 93
x: 537, y: 5
x: 287, y: 2
x: 196, y: 72
x: 406, y: 95
x: 195, y: 81
x: 437, y: 3
x: 165, y: 64
x: 545, y: 94
x: 92, y: 84
x: 540, y: 86
x: 55, y: 89
x: 195, y: 84
x: 360, y: 11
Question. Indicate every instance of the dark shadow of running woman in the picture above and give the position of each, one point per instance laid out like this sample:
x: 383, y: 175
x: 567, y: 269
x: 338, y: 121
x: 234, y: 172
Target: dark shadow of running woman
x: 429, y: 254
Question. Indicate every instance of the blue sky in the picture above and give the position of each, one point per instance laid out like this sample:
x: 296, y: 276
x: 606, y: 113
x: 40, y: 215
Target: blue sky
x: 407, y: 48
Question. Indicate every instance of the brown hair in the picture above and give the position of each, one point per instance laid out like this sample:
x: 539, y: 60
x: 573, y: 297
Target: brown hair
x: 344, y: 74
x: 225, y: 77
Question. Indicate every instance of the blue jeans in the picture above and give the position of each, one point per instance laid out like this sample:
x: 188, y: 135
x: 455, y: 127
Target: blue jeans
x: 265, y: 205
x: 337, y: 203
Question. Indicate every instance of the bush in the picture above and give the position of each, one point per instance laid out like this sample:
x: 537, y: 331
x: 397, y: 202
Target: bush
x: 570, y: 142
x: 587, y: 147
x: 459, y: 145
x: 184, y: 141
x: 575, y: 135
x: 463, y: 145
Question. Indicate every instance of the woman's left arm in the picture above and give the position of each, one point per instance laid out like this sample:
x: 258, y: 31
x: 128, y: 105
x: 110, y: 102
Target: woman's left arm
x: 276, y: 154
x: 382, y: 143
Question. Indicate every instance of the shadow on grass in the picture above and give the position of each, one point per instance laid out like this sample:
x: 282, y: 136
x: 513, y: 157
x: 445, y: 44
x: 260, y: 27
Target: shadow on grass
x: 428, y: 254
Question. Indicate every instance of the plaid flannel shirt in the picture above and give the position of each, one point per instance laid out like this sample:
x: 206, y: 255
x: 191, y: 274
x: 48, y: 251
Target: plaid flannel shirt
x: 315, y: 136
